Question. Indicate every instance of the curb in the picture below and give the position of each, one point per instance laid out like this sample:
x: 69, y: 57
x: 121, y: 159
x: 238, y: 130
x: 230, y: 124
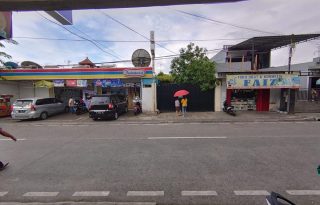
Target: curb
x: 79, y: 203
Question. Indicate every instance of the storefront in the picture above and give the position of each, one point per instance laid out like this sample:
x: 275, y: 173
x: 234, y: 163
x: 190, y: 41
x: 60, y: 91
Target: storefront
x: 83, y: 82
x: 259, y: 92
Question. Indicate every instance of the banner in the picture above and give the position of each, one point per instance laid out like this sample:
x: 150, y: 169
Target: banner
x: 5, y: 25
x: 71, y: 83
x: 82, y: 83
x: 58, y: 83
x: 260, y: 81
x: 108, y: 83
x: 43, y: 84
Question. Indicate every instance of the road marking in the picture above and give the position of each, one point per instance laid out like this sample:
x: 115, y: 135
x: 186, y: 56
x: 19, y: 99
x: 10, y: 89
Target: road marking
x: 40, y: 194
x: 92, y: 193
x: 199, y: 193
x: 303, y: 192
x: 251, y: 193
x: 11, y: 139
x: 145, y: 193
x: 159, y: 138
x: 3, y: 193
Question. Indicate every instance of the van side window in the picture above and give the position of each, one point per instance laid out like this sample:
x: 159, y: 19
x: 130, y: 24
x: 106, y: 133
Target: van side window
x: 40, y: 102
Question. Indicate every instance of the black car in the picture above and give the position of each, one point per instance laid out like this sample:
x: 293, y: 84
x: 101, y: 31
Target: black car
x: 107, y: 106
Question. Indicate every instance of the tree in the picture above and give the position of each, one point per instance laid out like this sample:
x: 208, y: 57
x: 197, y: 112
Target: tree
x: 164, y: 78
x: 193, y: 66
x: 3, y: 54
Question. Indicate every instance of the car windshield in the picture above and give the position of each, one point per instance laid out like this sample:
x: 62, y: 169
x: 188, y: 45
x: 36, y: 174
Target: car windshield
x: 100, y: 100
x: 23, y: 103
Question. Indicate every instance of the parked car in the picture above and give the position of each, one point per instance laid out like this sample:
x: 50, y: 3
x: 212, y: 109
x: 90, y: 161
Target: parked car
x: 34, y: 108
x: 107, y: 106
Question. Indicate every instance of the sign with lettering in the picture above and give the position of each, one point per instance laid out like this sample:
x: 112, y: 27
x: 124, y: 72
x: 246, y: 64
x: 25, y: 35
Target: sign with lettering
x: 134, y: 73
x: 58, y: 83
x: 260, y: 81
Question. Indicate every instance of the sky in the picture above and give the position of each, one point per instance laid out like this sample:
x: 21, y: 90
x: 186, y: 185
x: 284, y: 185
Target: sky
x: 273, y: 16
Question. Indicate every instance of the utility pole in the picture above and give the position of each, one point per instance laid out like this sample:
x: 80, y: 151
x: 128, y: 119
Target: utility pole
x: 154, y: 85
x: 289, y: 110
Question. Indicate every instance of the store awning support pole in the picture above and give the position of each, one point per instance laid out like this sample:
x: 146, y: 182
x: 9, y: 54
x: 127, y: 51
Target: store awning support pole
x: 152, y: 48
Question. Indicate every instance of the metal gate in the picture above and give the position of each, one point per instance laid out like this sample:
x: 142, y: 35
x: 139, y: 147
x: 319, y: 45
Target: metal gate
x: 197, y: 100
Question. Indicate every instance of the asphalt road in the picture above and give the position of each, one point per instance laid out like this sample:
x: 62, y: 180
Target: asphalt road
x: 225, y: 164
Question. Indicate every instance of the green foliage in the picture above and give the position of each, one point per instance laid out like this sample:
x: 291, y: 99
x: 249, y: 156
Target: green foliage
x: 164, y: 78
x: 193, y: 66
x: 3, y: 54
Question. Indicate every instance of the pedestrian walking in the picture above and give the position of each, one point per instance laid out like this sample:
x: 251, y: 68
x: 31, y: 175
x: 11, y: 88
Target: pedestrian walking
x: 177, y: 105
x: 5, y: 134
x: 184, y: 103
x: 71, y: 105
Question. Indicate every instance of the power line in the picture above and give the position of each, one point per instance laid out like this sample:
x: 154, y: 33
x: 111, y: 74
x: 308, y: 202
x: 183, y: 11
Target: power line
x: 135, y: 31
x: 94, y: 40
x: 77, y: 35
x: 129, y: 41
x: 225, y: 23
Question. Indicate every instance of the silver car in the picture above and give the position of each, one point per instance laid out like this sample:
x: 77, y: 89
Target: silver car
x: 34, y: 108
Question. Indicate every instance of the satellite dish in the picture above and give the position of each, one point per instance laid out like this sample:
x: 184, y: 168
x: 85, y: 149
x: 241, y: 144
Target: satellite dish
x: 141, y: 58
x: 10, y: 64
x: 30, y: 64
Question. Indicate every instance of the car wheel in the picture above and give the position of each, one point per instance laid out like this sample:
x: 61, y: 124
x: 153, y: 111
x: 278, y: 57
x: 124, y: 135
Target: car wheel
x: 95, y: 119
x: 115, y: 116
x: 44, y: 116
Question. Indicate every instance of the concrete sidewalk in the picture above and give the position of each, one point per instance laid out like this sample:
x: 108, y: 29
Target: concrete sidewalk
x: 246, y: 116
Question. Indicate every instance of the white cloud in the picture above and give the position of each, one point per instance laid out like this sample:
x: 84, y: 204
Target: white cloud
x: 278, y: 16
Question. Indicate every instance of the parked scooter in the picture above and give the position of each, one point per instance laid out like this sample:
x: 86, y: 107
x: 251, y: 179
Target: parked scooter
x: 277, y: 199
x: 228, y: 109
x: 137, y: 109
x: 80, y: 107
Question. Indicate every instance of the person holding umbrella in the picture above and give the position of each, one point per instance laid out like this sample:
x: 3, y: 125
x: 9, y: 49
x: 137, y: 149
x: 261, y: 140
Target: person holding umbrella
x: 184, y: 101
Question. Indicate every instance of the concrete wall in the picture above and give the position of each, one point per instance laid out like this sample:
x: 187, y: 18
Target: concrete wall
x: 147, y: 98
x: 274, y: 99
x: 217, y: 98
x: 223, y: 92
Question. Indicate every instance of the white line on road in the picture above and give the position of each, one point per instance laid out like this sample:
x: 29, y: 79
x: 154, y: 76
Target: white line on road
x: 159, y: 138
x: 40, y: 194
x: 251, y: 193
x: 3, y: 193
x: 199, y: 193
x: 303, y: 192
x: 145, y: 193
x: 92, y: 193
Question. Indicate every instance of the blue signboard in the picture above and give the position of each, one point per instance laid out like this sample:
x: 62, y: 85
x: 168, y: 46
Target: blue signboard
x: 108, y: 83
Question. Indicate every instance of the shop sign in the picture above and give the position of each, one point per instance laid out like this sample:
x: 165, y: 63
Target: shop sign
x: 108, y: 83
x: 58, y: 83
x: 82, y: 83
x: 71, y: 83
x: 260, y: 81
x: 134, y: 73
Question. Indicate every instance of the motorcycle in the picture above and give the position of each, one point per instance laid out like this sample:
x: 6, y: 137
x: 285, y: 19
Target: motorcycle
x: 228, y: 109
x: 277, y: 199
x: 80, y: 107
x: 137, y: 108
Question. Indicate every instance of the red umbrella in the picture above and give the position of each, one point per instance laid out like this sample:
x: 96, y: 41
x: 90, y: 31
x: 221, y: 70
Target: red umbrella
x: 181, y: 93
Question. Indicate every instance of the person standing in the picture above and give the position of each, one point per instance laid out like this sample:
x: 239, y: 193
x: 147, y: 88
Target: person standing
x: 184, y: 103
x: 177, y: 105
x: 5, y: 134
x: 71, y: 105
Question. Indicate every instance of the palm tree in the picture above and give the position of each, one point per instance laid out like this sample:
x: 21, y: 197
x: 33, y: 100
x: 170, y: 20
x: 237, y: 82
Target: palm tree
x: 3, y: 54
